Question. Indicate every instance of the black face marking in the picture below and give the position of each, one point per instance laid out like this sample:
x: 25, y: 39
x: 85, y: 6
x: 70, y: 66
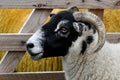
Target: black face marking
x: 59, y: 34
x: 89, y: 39
x: 56, y: 45
x: 84, y: 47
x: 90, y: 26
x: 52, y: 14
x: 87, y: 24
x: 63, y: 28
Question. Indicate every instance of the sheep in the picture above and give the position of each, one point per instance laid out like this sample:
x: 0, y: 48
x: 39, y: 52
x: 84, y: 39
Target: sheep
x: 79, y: 37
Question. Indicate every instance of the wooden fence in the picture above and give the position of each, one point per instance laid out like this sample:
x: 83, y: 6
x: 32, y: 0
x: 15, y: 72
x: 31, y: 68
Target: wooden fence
x: 14, y: 44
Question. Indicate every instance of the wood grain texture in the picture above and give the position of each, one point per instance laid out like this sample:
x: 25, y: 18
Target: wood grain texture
x: 12, y: 58
x: 94, y: 4
x: 33, y: 76
x: 35, y: 21
x: 16, y: 42
x: 113, y: 37
x: 98, y: 12
x: 13, y: 42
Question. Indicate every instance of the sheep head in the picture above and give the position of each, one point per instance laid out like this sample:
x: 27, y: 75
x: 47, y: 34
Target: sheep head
x: 64, y: 28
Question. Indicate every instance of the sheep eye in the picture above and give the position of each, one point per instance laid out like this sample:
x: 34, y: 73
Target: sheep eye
x: 63, y: 30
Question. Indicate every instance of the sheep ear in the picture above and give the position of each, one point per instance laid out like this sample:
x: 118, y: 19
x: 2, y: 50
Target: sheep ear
x: 52, y: 14
x: 76, y: 26
x: 73, y: 9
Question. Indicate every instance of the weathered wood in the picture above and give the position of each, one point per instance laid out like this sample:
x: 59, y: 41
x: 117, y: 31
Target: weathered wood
x: 113, y: 37
x: 10, y: 61
x: 35, y: 21
x: 13, y: 42
x: 33, y: 76
x: 98, y: 12
x: 94, y: 4
x: 16, y: 42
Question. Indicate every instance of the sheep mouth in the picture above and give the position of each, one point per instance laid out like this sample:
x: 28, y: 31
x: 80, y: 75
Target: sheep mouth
x: 37, y: 56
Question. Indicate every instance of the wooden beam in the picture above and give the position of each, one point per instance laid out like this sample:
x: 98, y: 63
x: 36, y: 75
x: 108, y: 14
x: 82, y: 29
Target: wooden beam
x: 13, y: 42
x: 16, y: 42
x: 90, y: 4
x: 98, y: 12
x: 59, y: 75
x: 113, y: 37
x: 35, y: 21
x: 8, y: 62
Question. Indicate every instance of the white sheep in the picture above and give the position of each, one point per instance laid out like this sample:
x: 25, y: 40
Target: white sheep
x: 102, y: 65
x: 80, y: 39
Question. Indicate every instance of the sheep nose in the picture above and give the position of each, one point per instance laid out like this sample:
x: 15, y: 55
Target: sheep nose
x: 30, y: 45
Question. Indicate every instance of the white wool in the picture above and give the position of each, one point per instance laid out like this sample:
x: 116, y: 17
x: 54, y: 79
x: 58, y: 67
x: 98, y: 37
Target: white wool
x: 103, y: 65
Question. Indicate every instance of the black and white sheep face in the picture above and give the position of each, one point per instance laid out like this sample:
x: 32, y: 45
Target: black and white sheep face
x: 56, y: 37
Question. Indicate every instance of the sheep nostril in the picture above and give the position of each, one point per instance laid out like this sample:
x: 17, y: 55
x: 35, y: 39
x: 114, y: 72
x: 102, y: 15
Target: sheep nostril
x: 30, y: 45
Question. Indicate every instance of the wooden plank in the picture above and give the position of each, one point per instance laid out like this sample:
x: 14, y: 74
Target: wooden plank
x: 33, y: 76
x: 35, y: 21
x: 13, y: 42
x: 9, y: 61
x: 12, y: 58
x: 113, y: 37
x: 98, y: 12
x: 16, y: 42
x: 90, y: 4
